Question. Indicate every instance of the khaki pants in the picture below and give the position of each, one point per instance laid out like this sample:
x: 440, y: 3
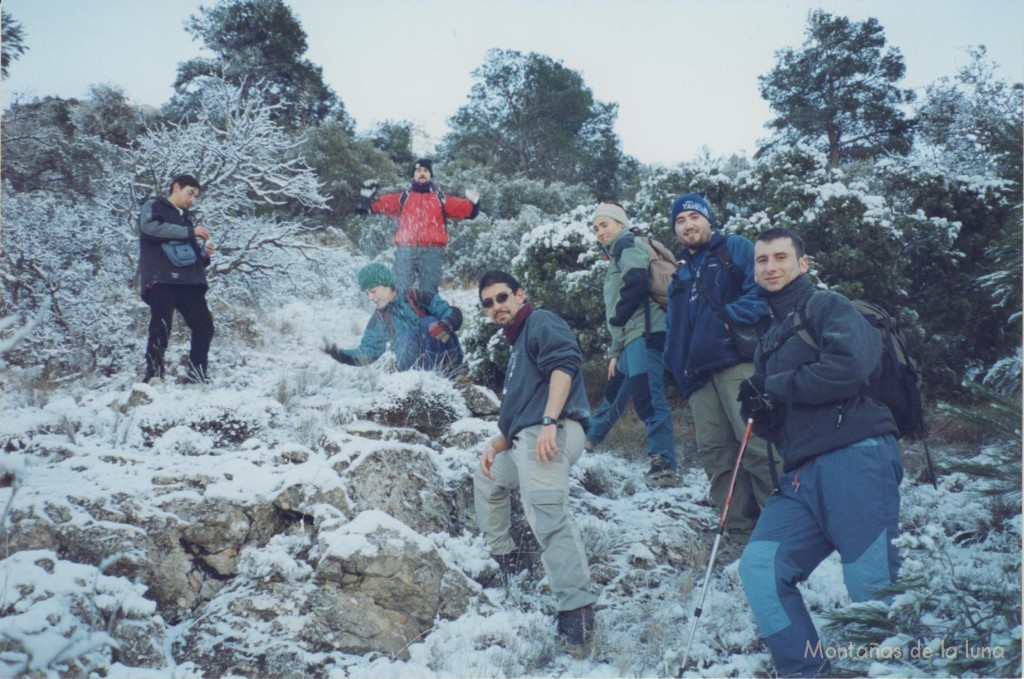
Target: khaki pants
x: 544, y: 490
x: 719, y: 429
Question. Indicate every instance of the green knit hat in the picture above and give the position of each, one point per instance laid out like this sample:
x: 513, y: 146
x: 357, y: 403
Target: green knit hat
x: 372, y: 275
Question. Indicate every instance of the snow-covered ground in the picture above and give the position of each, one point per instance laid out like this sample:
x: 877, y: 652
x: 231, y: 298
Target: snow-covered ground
x: 82, y: 443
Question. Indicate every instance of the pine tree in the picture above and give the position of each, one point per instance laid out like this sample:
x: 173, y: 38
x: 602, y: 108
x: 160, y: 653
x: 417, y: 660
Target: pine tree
x: 839, y: 90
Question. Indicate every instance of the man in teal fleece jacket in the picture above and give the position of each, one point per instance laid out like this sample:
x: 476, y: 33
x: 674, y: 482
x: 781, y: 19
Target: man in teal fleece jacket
x: 419, y: 326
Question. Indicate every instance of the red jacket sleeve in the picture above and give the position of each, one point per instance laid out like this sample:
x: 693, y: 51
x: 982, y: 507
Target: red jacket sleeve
x: 458, y: 208
x: 388, y: 204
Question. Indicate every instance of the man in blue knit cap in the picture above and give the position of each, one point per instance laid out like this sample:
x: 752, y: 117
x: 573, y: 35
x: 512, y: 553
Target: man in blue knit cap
x: 418, y: 325
x: 713, y: 289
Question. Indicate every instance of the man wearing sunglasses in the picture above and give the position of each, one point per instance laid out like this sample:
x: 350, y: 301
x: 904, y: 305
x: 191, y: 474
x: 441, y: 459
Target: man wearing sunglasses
x: 543, y: 419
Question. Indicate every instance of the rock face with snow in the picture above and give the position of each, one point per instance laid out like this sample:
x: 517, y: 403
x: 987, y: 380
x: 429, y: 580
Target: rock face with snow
x: 481, y: 401
x: 272, y: 557
x: 396, y: 570
x: 377, y: 586
x: 107, y: 612
x: 402, y: 481
x: 181, y: 550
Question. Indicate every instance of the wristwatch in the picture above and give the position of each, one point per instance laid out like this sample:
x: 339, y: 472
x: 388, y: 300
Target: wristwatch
x: 548, y: 420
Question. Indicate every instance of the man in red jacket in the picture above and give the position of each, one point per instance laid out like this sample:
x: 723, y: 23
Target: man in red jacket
x: 422, y: 233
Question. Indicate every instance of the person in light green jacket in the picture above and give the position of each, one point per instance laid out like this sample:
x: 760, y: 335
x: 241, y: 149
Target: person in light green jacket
x: 636, y: 324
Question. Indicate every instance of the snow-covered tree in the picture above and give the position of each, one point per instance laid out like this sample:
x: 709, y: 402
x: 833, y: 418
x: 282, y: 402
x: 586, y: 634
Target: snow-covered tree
x: 43, y: 148
x: 12, y: 42
x: 256, y: 190
x: 258, y: 45
x: 66, y: 265
x: 342, y: 162
x: 973, y: 121
x: 973, y: 126
x: 69, y: 259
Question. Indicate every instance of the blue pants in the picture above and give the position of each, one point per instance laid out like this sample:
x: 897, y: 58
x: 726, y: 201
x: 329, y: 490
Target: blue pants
x: 640, y: 376
x: 847, y: 500
x: 416, y: 349
x: 418, y: 267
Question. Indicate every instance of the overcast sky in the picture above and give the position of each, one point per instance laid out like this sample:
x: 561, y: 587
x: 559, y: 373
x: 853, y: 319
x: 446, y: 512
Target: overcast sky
x: 684, y: 72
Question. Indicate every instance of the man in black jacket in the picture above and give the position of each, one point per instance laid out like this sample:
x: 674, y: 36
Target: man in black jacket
x: 173, y: 256
x: 841, y: 464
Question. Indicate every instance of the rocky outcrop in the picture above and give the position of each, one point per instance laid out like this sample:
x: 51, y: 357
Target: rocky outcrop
x: 269, y: 557
x: 481, y: 401
x: 403, y: 482
x: 73, y: 615
x: 377, y: 586
x: 399, y: 570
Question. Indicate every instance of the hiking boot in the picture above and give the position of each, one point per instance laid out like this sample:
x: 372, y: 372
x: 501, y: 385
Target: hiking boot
x: 660, y: 475
x: 576, y: 627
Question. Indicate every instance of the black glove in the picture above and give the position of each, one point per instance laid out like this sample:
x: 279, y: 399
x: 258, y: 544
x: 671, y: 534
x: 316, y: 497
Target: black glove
x: 754, y: 403
x: 332, y: 350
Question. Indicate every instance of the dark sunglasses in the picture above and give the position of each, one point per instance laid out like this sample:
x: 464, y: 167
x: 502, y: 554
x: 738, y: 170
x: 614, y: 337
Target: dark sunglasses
x: 500, y: 298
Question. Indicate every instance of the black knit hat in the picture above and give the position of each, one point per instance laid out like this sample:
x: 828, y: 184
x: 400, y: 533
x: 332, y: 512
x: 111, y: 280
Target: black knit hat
x: 424, y: 162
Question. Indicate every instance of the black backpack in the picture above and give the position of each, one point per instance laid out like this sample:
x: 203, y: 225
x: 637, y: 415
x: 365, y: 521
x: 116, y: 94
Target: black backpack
x: 440, y: 198
x: 898, y: 383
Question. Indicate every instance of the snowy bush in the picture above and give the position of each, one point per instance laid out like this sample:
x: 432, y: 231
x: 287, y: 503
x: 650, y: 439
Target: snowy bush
x: 197, y: 423
x: 483, y: 244
x: 70, y: 619
x: 421, y: 400
x: 1005, y: 376
x: 562, y: 270
x: 68, y: 268
x: 956, y: 609
x: 510, y: 197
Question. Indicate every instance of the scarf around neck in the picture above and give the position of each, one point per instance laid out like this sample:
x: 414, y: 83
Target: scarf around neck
x: 512, y: 331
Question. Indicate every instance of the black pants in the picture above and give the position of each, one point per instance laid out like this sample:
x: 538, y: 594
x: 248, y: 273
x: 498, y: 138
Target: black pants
x: 190, y: 302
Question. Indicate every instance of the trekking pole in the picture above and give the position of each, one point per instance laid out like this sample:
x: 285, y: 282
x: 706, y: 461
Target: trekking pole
x: 718, y: 539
